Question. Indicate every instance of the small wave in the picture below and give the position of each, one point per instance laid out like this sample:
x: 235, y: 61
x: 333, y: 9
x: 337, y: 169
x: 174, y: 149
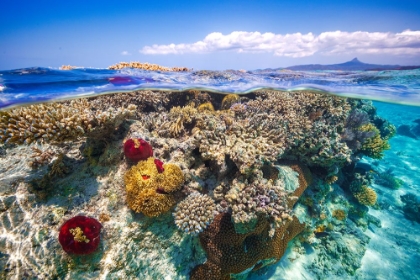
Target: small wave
x: 38, y: 84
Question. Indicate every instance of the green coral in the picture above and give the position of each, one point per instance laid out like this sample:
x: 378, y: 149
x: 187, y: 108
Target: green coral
x: 374, y: 146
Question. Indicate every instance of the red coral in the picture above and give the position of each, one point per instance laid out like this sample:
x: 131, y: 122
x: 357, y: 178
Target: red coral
x: 80, y: 235
x: 137, y: 149
x: 159, y: 165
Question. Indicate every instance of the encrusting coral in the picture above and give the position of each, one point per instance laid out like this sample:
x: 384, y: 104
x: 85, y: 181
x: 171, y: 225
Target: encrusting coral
x: 194, y: 213
x: 149, y: 188
x: 56, y: 122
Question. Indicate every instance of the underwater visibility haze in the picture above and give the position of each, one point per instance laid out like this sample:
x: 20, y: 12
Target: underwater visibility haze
x: 197, y: 174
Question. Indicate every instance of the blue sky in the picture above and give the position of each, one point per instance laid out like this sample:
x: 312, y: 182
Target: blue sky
x: 208, y: 34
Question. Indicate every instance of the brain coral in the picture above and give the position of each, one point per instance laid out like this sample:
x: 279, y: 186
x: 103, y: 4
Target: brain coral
x: 148, y: 190
x: 195, y: 213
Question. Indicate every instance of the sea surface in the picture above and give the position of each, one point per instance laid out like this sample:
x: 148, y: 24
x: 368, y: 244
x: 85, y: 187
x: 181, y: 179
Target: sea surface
x: 391, y: 235
x: 37, y: 84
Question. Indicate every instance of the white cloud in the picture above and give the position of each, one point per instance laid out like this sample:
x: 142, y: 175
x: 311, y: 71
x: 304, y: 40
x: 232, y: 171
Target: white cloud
x: 125, y: 53
x: 299, y: 45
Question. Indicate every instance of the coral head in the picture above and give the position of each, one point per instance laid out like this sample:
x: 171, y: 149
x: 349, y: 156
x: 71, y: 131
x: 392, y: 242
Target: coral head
x: 137, y: 149
x: 80, y: 235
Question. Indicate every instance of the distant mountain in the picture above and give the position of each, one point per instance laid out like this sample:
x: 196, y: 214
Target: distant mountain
x: 352, y: 65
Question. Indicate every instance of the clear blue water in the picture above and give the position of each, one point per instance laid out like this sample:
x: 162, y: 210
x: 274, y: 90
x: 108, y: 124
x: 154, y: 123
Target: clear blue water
x: 41, y: 84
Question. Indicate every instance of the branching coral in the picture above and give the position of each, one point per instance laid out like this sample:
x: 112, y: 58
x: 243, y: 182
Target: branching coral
x: 373, y: 146
x: 56, y: 122
x: 195, y: 213
x: 366, y: 196
x: 254, y: 198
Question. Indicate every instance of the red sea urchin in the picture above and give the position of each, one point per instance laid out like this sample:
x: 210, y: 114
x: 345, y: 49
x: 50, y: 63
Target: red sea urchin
x: 80, y: 235
x: 137, y: 149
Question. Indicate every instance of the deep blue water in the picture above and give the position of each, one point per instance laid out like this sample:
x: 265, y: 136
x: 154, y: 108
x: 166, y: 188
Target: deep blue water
x: 37, y: 84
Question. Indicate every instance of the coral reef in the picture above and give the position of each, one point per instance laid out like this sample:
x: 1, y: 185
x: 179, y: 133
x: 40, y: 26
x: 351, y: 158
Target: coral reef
x: 80, y: 235
x: 247, y: 177
x: 194, y: 213
x: 146, y: 66
x: 150, y: 191
x: 57, y: 122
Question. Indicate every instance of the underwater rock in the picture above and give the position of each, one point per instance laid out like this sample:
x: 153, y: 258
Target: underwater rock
x: 411, y: 208
x: 405, y: 130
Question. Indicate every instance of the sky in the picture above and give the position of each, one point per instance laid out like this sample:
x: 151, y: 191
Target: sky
x: 212, y: 35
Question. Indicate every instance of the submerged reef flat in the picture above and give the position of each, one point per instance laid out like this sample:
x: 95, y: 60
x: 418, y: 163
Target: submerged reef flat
x: 232, y: 185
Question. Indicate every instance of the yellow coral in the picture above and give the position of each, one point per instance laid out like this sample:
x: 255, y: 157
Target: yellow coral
x: 173, y: 178
x: 149, y: 191
x: 205, y: 107
x: 339, y: 214
x: 142, y: 175
x: 151, y: 203
x: 374, y: 146
x: 229, y: 100
x: 366, y: 196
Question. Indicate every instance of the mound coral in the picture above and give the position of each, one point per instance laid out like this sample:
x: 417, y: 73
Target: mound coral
x: 149, y: 185
x: 194, y: 213
x: 205, y: 106
x: 80, y: 235
x: 137, y: 149
x: 229, y: 100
